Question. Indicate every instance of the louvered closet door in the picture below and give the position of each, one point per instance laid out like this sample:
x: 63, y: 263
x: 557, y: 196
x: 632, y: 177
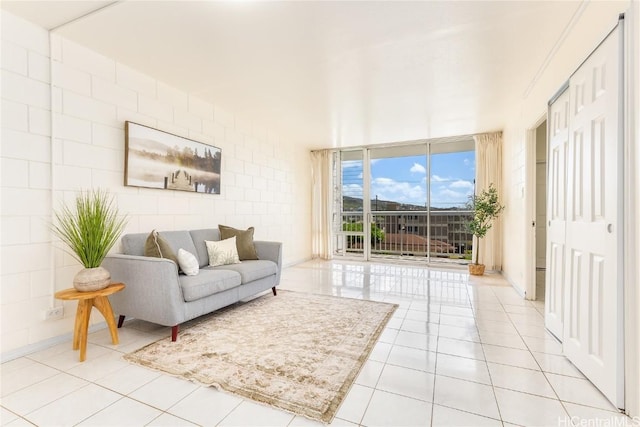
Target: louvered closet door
x: 556, y: 212
x: 592, y: 334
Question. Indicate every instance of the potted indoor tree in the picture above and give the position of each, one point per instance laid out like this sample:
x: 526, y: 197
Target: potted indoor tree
x: 486, y: 207
x: 90, y: 230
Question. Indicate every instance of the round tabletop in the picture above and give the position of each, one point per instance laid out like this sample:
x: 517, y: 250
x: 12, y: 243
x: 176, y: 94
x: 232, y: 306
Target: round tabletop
x: 73, y: 294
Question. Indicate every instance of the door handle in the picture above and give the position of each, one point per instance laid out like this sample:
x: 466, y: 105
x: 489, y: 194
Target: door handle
x: 609, y: 228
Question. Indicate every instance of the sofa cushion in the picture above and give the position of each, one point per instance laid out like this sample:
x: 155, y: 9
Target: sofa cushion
x: 157, y: 246
x: 208, y: 282
x: 179, y: 239
x: 244, y: 241
x: 198, y: 237
x: 133, y: 244
x: 250, y: 270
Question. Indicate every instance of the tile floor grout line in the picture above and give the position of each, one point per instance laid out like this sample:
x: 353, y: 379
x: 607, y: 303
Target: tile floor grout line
x: 368, y: 403
x: 493, y: 388
x: 541, y: 370
x: 101, y: 409
x: 435, y: 373
x: 466, y: 412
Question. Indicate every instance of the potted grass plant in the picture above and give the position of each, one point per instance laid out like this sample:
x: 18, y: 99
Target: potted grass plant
x: 90, y: 230
x: 487, y: 208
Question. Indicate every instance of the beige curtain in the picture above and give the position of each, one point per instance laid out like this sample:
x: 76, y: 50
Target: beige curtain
x: 489, y: 171
x: 321, y: 181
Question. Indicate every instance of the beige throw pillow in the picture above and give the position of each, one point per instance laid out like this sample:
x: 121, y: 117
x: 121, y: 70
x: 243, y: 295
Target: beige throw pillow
x: 222, y: 252
x: 156, y: 246
x: 244, y: 241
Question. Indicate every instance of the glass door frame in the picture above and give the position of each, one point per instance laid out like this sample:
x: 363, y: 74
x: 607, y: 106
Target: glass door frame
x: 340, y: 234
x: 367, y: 213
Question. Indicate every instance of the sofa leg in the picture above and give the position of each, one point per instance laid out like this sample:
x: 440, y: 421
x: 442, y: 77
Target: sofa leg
x: 174, y: 332
x: 121, y: 321
x: 274, y: 291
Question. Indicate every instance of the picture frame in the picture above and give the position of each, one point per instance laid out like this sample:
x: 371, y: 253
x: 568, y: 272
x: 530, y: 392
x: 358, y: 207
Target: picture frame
x: 158, y: 159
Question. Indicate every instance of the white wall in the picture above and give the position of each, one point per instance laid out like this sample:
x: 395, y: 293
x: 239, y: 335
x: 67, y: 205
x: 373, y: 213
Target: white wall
x: 597, y: 19
x: 26, y: 254
x: 63, y: 114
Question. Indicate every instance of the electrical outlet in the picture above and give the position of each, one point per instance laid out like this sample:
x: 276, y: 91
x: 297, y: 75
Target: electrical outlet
x: 53, y: 313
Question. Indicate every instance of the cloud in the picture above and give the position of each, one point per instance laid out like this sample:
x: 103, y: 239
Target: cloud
x: 451, y: 193
x: 449, y: 198
x: 470, y: 163
x: 445, y: 196
x: 351, y: 164
x: 418, y: 168
x: 384, y: 181
x: 403, y: 192
x: 353, y: 190
x: 445, y: 192
x: 461, y: 184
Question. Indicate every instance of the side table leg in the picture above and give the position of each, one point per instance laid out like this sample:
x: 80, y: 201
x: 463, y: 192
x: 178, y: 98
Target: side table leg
x: 104, y: 306
x: 84, y: 312
x: 77, y: 328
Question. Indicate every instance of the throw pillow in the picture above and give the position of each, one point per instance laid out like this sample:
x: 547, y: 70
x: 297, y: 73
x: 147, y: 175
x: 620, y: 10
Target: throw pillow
x: 188, y: 262
x: 244, y: 241
x: 158, y: 247
x: 222, y: 252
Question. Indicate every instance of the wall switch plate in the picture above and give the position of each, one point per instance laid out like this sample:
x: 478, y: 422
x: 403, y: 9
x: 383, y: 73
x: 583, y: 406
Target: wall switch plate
x: 53, y: 313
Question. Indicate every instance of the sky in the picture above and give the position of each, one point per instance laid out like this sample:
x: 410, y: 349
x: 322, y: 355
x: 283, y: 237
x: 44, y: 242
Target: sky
x: 404, y: 179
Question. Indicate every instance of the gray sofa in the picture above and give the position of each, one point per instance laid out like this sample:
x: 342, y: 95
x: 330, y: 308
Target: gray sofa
x: 156, y: 293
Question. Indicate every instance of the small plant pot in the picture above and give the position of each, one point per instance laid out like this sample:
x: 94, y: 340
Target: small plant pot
x: 476, y: 269
x: 92, y: 279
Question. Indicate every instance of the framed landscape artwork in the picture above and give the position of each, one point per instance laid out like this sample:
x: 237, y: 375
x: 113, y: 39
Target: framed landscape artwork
x: 157, y: 159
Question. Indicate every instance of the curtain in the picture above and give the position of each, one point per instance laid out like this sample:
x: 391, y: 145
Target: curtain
x: 321, y: 196
x: 489, y: 171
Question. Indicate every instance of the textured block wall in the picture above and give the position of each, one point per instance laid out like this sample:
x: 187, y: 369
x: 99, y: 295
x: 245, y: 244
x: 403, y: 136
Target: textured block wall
x: 63, y: 113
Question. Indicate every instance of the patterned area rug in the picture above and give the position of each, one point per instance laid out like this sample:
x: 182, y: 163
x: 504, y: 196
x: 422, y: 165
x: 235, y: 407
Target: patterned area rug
x: 298, y: 352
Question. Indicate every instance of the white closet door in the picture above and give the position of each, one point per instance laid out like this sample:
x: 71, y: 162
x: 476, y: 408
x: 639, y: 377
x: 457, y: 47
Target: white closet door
x: 592, y: 334
x: 558, y: 131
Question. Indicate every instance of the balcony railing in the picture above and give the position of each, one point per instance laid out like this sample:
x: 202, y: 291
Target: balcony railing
x: 406, y: 234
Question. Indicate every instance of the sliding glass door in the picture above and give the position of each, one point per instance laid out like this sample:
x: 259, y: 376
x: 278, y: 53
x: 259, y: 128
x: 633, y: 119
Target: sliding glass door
x: 349, y: 206
x: 451, y: 183
x: 405, y: 201
x: 399, y: 201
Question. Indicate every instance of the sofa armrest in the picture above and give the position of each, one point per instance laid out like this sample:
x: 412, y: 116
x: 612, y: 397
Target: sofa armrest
x: 271, y: 251
x: 152, y: 291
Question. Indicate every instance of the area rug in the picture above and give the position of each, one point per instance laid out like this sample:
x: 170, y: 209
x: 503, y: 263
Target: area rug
x: 297, y: 352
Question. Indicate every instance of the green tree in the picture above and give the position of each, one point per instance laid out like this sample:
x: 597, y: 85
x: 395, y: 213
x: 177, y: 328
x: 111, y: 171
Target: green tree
x: 377, y: 235
x: 486, y: 207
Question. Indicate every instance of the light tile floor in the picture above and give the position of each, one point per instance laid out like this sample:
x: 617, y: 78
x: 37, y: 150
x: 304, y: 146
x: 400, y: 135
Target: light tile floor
x: 459, y: 351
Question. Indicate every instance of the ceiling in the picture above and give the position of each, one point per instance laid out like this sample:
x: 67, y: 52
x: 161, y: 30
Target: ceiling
x: 330, y: 73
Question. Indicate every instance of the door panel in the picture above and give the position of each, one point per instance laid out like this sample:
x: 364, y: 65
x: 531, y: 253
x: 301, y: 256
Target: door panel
x: 591, y: 334
x: 556, y: 213
x: 349, y: 205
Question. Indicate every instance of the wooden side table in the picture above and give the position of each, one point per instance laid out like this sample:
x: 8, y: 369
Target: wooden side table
x: 86, y: 301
